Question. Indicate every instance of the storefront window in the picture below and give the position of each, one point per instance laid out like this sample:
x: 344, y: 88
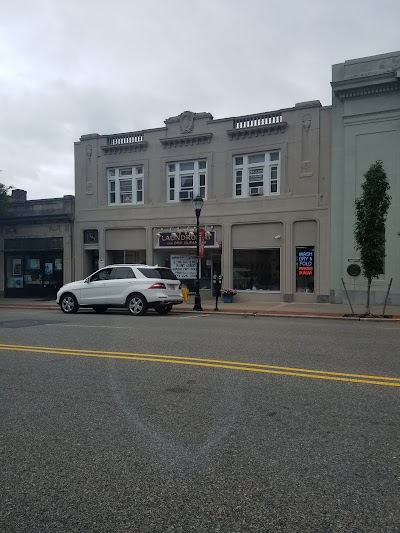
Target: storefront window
x: 137, y: 257
x: 256, y: 270
x: 14, y: 265
x: 305, y: 269
x: 34, y: 272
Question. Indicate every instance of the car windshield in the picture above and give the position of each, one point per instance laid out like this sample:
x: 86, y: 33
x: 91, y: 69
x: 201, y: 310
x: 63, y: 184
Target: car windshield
x: 161, y: 273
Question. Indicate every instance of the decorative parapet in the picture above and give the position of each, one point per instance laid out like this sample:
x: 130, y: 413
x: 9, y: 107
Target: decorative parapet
x: 257, y: 125
x: 188, y: 140
x: 125, y: 142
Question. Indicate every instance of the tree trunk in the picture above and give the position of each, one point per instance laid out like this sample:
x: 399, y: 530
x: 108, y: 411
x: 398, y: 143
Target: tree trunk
x: 368, y: 310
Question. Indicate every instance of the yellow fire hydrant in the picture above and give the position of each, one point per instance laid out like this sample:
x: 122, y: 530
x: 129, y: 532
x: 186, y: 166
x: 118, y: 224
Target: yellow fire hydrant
x: 185, y: 294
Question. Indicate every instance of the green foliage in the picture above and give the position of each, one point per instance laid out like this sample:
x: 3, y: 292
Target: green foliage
x: 371, y: 213
x: 4, y: 199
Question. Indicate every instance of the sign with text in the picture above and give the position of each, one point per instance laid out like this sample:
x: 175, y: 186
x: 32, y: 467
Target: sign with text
x: 202, y: 241
x: 183, y: 239
x: 184, y: 266
x: 305, y: 262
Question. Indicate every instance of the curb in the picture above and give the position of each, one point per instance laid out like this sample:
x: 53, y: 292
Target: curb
x: 244, y: 314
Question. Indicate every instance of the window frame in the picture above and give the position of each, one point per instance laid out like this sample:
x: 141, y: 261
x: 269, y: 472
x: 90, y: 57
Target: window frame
x: 268, y: 168
x: 114, y: 179
x: 177, y: 174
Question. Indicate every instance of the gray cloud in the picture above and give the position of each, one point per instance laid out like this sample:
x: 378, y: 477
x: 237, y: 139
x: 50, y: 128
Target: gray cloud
x: 70, y: 68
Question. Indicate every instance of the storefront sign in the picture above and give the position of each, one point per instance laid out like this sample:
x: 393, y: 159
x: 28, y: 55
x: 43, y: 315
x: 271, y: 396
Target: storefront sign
x: 184, y: 266
x: 184, y: 239
x: 305, y: 263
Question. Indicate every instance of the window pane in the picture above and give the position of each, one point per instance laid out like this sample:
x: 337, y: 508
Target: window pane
x: 135, y: 257
x: 172, y: 194
x: 186, y: 166
x: 101, y: 275
x: 125, y: 186
x: 125, y: 172
x: 274, y: 156
x: 259, y: 158
x: 171, y: 183
x: 238, y: 161
x: 186, y: 182
x: 256, y: 270
x: 171, y: 168
x: 239, y: 176
x: 202, y: 180
x: 139, y: 185
x: 238, y: 190
x: 139, y: 196
x: 274, y: 186
x: 274, y: 173
x: 122, y: 273
x: 112, y: 198
x: 159, y: 273
x: 202, y: 164
x: 139, y: 170
x: 111, y: 172
x: 203, y: 192
x: 112, y: 186
x: 305, y: 269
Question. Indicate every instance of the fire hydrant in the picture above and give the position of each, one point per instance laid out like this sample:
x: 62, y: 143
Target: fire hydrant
x: 185, y: 294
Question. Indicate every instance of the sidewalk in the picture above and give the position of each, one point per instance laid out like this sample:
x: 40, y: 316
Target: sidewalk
x: 264, y: 309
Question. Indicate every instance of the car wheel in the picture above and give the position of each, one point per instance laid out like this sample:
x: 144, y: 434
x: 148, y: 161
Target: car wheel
x: 100, y: 308
x: 69, y: 304
x: 163, y: 309
x: 136, y: 304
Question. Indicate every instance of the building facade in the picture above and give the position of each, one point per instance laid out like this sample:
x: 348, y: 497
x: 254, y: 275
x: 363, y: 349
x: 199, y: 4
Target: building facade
x: 36, y: 243
x: 365, y: 128
x: 265, y: 181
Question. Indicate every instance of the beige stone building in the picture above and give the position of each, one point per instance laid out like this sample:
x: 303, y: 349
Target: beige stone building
x: 265, y: 180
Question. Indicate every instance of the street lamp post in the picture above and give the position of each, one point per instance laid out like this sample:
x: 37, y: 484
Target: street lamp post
x: 198, y: 204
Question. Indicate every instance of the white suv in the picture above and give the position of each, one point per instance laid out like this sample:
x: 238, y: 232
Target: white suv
x: 136, y: 287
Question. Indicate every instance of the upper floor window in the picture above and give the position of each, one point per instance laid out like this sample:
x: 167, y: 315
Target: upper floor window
x: 186, y: 180
x: 256, y: 174
x: 125, y: 185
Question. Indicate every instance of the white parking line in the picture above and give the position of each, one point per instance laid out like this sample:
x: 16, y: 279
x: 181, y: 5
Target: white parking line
x: 83, y: 326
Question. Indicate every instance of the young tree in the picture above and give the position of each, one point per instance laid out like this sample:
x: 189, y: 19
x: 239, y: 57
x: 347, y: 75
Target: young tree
x: 369, y: 230
x: 4, y: 198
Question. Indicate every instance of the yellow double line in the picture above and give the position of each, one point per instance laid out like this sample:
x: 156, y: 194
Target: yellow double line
x: 212, y: 363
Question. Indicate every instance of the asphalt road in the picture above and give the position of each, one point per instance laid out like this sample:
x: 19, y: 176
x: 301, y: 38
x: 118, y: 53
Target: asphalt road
x: 223, y: 425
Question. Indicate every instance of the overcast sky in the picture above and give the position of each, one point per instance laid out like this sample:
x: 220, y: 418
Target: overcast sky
x: 68, y: 68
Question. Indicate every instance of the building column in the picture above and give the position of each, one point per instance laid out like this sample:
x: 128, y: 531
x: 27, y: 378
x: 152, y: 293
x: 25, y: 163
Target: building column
x: 287, y: 286
x: 227, y: 255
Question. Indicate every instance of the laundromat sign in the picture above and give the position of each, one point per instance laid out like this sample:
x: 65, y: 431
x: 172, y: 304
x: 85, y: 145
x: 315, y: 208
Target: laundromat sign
x: 184, y: 239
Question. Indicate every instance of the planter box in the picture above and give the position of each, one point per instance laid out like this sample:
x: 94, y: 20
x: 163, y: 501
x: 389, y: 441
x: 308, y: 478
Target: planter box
x: 228, y: 298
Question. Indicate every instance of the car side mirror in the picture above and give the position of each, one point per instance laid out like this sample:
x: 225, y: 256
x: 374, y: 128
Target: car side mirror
x: 87, y: 280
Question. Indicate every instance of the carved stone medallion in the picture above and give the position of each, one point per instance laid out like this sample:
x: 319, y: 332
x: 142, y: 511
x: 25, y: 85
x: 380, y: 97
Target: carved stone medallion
x: 186, y: 120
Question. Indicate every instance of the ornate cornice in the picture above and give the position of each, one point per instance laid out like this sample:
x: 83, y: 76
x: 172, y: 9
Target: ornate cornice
x: 345, y: 93
x: 188, y: 140
x: 256, y: 131
x: 369, y: 83
x: 125, y: 148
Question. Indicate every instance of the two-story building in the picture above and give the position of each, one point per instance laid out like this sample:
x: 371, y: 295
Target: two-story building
x: 265, y: 181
